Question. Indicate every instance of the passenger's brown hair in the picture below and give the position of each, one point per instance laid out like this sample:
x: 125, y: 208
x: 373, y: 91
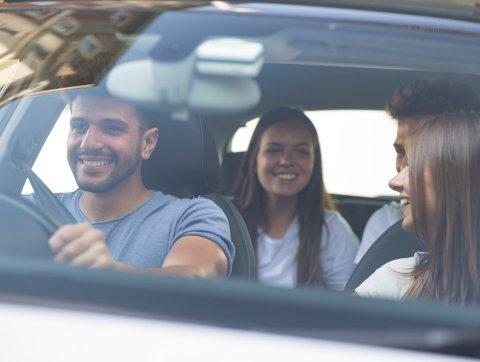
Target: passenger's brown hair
x: 311, y: 204
x: 430, y: 97
x: 448, y: 147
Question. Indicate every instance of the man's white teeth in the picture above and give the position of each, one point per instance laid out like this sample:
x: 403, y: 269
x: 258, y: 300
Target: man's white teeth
x: 286, y: 176
x: 95, y: 163
x: 403, y: 201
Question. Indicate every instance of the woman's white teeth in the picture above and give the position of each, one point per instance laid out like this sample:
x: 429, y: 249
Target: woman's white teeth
x: 96, y: 163
x: 403, y: 201
x: 286, y: 176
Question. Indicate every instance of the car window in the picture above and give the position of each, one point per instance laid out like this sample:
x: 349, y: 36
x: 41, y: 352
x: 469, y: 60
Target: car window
x: 198, y: 71
x: 51, y: 164
x: 357, y: 154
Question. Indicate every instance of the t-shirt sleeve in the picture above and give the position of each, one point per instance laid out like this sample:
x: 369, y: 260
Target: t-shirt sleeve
x: 203, y: 218
x: 339, y: 247
x: 369, y: 288
x: 390, y: 281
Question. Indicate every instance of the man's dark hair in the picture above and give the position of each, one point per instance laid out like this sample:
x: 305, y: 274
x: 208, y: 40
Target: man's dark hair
x: 148, y: 118
x: 427, y: 97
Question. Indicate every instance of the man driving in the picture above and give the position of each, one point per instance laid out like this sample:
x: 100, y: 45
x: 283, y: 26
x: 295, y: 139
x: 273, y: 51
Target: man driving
x: 122, y: 224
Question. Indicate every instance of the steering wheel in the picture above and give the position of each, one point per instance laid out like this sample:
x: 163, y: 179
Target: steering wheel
x: 24, y: 229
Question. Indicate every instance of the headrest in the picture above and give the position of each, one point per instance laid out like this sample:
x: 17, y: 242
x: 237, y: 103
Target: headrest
x: 185, y: 161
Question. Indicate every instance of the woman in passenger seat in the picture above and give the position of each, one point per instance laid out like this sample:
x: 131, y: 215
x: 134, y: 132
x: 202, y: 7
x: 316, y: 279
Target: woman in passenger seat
x: 440, y: 198
x: 298, y: 236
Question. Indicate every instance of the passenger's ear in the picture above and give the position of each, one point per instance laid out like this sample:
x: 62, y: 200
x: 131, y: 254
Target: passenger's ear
x: 149, y: 141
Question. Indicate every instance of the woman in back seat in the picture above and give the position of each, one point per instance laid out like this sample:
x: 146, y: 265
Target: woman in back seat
x: 298, y: 237
x: 440, y: 198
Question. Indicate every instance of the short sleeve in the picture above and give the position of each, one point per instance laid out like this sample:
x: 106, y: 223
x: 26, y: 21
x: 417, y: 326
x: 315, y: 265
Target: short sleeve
x: 201, y: 217
x: 339, y: 247
x: 369, y: 288
x: 390, y: 281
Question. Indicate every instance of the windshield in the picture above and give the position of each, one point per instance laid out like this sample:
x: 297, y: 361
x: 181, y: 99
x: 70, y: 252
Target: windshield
x: 270, y: 149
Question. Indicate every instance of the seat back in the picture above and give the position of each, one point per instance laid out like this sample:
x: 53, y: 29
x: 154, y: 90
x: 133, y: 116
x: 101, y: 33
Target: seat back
x: 245, y: 264
x: 394, y: 243
x: 185, y: 161
x: 230, y: 166
x: 185, y: 164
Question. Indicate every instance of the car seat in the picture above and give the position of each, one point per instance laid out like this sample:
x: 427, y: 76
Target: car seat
x: 185, y: 164
x: 394, y: 243
x: 230, y: 166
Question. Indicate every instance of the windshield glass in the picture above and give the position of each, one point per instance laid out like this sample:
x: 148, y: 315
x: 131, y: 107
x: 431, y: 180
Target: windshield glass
x: 279, y: 147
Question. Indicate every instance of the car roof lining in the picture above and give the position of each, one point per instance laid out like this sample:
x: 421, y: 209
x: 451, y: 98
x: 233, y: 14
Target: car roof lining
x: 466, y: 10
x: 330, y: 88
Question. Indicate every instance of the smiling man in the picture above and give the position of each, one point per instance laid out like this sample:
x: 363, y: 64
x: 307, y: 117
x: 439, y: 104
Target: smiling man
x: 411, y: 106
x: 122, y: 224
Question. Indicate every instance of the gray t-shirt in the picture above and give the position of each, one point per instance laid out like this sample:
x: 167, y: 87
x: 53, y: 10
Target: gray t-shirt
x: 144, y: 236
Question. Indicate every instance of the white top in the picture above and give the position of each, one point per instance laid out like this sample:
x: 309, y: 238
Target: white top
x: 378, y: 223
x: 276, y: 257
x: 390, y: 281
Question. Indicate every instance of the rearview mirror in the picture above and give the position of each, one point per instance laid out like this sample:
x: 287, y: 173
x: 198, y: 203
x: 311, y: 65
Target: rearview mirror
x: 217, y: 77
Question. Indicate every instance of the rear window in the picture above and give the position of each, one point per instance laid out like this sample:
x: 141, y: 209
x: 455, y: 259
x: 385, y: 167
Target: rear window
x: 356, y: 145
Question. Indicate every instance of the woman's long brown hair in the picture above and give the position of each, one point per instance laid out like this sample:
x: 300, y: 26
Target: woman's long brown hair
x: 311, y: 203
x: 448, y: 148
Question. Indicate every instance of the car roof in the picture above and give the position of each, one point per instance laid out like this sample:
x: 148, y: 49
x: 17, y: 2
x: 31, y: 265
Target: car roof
x: 449, y: 9
x: 453, y: 9
x: 383, y: 76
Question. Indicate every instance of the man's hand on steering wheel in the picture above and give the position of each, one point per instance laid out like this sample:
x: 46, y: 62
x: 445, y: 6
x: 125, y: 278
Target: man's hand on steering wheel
x: 81, y: 245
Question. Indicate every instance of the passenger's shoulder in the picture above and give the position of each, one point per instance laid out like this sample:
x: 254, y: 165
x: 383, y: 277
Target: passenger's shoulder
x: 333, y: 219
x: 389, y: 281
x: 333, y: 216
x: 337, y: 231
x: 199, y: 204
x: 399, y: 266
x: 198, y: 201
x: 390, y: 213
x: 68, y: 196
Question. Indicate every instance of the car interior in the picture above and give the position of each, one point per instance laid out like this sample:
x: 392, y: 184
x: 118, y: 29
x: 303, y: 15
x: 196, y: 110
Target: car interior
x: 312, y: 65
x: 203, y: 95
x: 194, y: 170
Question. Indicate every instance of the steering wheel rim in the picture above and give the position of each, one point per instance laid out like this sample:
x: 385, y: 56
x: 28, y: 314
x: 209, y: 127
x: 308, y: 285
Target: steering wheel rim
x: 25, y: 228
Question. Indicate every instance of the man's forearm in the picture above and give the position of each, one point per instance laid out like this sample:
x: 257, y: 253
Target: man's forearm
x: 187, y: 271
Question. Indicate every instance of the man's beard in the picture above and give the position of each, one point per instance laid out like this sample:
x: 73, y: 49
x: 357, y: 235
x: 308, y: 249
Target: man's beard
x: 116, y: 177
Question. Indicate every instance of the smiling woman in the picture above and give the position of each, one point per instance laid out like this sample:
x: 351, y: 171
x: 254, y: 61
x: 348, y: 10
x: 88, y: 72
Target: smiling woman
x: 343, y: 135
x: 441, y: 204
x: 298, y: 236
